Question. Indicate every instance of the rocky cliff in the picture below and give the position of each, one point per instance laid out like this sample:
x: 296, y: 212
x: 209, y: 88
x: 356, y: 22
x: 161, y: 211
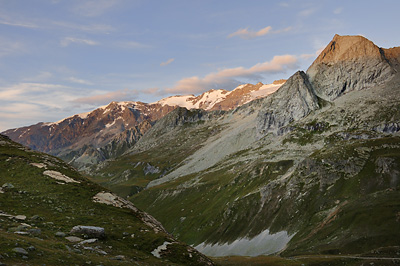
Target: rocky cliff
x: 293, y: 101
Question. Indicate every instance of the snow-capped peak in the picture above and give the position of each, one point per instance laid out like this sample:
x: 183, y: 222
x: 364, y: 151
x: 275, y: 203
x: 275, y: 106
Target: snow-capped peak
x: 222, y: 99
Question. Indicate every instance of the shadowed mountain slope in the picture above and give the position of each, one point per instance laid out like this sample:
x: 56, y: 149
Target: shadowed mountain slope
x: 50, y: 214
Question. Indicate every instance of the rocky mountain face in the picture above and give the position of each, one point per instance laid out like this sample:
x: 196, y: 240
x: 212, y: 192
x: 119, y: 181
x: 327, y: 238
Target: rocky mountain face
x: 351, y: 63
x: 107, y: 132
x: 310, y: 169
x: 295, y: 100
x: 92, y: 137
x: 50, y: 214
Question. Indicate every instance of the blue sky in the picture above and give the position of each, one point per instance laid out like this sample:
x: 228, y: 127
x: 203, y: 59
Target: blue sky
x: 59, y: 58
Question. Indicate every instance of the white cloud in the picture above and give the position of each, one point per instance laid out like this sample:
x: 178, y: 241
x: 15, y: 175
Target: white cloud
x: 79, y: 81
x: 91, y: 28
x: 131, y: 45
x: 15, y: 20
x: 338, y: 10
x: 19, y: 24
x: 42, y: 76
x: 29, y: 103
x: 9, y: 47
x: 19, y: 114
x: 248, y: 34
x: 227, y: 78
x: 307, y: 12
x: 169, y: 61
x: 69, y: 40
x: 38, y: 93
x: 94, y: 8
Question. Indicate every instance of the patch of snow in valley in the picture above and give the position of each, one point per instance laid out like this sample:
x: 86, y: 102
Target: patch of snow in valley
x: 262, y: 244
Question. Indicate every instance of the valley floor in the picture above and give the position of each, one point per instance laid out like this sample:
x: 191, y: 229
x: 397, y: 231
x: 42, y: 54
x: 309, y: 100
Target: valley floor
x: 307, y: 260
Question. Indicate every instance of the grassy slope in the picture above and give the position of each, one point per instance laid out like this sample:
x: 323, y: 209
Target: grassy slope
x: 221, y: 206
x: 53, y: 207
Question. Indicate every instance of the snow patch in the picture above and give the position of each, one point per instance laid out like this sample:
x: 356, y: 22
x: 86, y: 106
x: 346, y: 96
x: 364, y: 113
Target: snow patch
x: 111, y: 124
x: 83, y: 115
x: 181, y: 100
x: 265, y: 90
x: 58, y: 176
x: 156, y: 252
x: 205, y: 101
x: 210, y: 98
x: 262, y: 244
x: 240, y: 87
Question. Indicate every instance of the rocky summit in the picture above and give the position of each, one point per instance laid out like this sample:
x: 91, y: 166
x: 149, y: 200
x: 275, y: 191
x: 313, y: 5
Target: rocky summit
x: 351, y: 63
x: 309, y: 170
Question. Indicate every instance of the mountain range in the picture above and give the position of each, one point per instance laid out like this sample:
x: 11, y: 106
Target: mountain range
x: 107, y: 132
x: 312, y: 168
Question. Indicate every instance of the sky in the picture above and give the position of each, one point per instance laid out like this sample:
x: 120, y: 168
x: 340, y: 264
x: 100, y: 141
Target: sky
x: 63, y: 57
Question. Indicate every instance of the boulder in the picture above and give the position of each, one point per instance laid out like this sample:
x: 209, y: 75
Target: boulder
x: 89, y: 231
x: 73, y: 239
x: 21, y: 251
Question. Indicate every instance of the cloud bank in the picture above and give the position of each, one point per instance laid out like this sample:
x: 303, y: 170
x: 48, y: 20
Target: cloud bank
x: 228, y: 78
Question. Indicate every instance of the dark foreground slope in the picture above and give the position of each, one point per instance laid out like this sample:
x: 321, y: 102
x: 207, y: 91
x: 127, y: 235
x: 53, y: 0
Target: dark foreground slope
x: 42, y: 199
x: 312, y: 169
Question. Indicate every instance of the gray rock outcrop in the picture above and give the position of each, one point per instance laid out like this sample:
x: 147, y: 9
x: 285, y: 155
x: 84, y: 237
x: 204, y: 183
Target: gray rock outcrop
x: 293, y: 101
x: 90, y: 231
